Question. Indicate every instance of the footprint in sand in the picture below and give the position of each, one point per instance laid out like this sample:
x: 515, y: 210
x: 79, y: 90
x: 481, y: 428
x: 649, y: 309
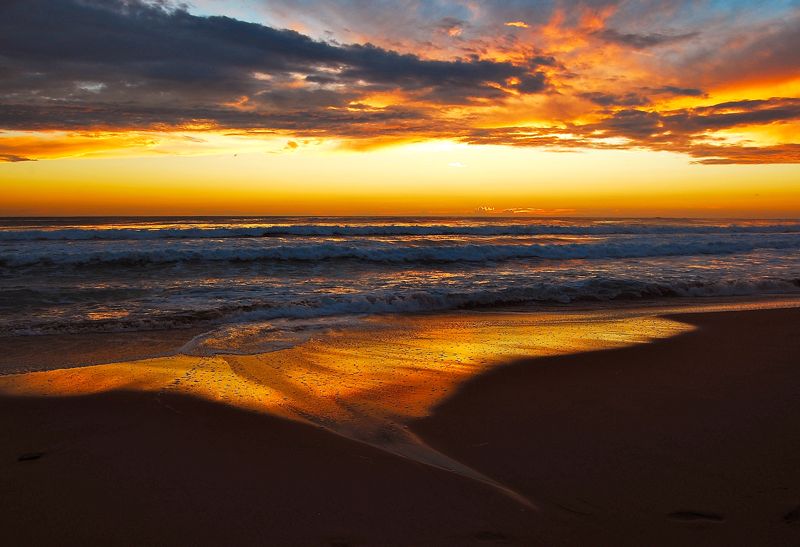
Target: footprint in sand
x: 692, y: 516
x: 30, y: 456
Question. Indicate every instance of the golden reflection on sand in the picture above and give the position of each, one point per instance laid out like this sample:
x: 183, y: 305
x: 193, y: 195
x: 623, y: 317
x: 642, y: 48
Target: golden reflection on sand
x: 363, y: 383
x: 390, y: 369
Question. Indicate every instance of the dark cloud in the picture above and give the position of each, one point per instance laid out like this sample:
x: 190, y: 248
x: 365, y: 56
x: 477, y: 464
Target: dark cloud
x: 454, y: 81
x: 733, y: 114
x: 642, y: 124
x: 728, y: 155
x: 13, y: 158
x: 633, y: 124
x: 638, y: 98
x: 609, y: 99
x: 151, y: 65
x: 543, y: 60
x: 79, y: 63
x: 358, y: 121
x: 535, y: 83
x: 642, y: 41
x: 678, y: 91
x: 683, y: 131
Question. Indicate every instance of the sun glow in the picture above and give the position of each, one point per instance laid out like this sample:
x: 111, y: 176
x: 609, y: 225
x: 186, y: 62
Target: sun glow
x: 560, y: 109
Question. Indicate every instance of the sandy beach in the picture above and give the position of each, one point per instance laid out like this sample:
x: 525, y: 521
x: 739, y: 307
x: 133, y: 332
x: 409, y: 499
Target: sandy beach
x: 688, y: 439
x: 409, y: 273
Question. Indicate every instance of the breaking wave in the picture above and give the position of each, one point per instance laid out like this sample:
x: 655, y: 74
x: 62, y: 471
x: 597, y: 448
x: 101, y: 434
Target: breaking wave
x: 439, y: 299
x: 121, y: 274
x: 394, y: 230
x: 389, y: 252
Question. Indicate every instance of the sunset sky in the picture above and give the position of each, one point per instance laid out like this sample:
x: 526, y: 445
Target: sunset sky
x: 552, y: 108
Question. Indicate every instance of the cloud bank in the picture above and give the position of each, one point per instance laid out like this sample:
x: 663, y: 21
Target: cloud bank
x: 562, y: 75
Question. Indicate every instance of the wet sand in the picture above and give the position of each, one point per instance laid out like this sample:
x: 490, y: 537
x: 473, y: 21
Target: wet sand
x: 687, y: 440
x: 50, y: 351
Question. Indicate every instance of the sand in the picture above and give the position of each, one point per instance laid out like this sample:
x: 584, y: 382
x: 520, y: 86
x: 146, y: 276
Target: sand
x: 49, y: 351
x: 693, y: 440
x: 687, y: 440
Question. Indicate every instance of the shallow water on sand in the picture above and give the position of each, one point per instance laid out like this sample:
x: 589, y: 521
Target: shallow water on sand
x: 365, y: 383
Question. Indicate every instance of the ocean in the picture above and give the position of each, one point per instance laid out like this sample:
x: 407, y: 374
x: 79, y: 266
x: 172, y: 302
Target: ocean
x: 262, y: 283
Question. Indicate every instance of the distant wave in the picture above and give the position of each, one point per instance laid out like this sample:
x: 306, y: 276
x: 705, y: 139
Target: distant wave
x: 377, y: 230
x: 130, y: 275
x: 383, y: 252
x: 437, y: 299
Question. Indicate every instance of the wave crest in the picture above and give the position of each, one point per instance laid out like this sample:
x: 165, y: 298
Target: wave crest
x: 378, y: 230
x: 307, y: 311
x: 384, y: 252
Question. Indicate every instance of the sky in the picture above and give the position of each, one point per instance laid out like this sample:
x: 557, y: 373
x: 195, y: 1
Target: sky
x: 409, y: 107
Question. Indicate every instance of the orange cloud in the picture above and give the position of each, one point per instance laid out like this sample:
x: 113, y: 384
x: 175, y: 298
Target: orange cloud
x: 58, y: 144
x: 586, y: 78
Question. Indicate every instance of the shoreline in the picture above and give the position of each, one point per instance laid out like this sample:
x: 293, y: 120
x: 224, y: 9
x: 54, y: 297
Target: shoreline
x: 569, y: 431
x: 20, y: 354
x: 23, y: 354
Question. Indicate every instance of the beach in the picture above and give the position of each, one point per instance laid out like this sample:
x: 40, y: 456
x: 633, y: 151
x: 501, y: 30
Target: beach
x: 686, y: 438
x: 399, y: 274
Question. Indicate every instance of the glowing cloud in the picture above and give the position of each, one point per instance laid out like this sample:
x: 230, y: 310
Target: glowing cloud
x: 711, y: 85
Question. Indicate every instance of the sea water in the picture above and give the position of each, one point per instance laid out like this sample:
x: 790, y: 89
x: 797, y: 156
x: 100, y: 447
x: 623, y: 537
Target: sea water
x: 267, y: 282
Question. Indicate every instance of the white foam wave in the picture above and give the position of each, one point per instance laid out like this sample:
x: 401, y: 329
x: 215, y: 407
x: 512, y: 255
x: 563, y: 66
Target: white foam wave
x: 376, y: 230
x: 387, y: 252
x: 305, y: 314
